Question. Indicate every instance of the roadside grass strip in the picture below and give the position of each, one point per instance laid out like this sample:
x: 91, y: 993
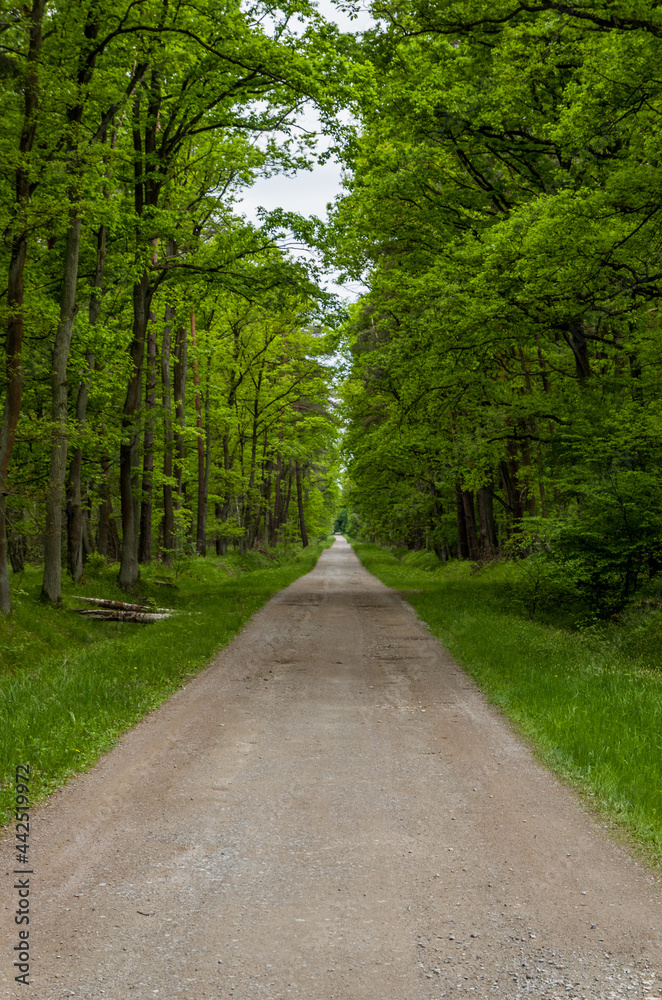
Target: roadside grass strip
x: 69, y: 686
x: 588, y: 699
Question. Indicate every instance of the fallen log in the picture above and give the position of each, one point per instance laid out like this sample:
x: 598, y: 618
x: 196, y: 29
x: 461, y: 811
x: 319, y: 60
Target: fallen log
x: 104, y: 602
x: 117, y: 615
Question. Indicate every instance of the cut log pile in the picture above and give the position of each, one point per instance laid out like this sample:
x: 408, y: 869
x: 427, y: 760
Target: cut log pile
x: 119, y: 611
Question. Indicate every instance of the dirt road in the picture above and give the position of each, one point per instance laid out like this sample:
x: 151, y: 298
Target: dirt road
x: 330, y: 811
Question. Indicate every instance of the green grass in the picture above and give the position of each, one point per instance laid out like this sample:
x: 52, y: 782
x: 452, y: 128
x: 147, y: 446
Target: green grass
x: 588, y: 699
x: 70, y: 686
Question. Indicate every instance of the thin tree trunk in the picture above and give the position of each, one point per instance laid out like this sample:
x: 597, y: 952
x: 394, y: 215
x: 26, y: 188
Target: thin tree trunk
x: 129, y: 570
x: 74, y: 491
x: 168, y: 551
x: 275, y: 521
x: 15, y: 286
x: 286, y: 509
x: 201, y: 520
x: 168, y: 506
x: 179, y: 386
x: 75, y: 501
x: 52, y: 583
x: 248, y: 513
x: 228, y: 461
x: 145, y: 541
x: 205, y: 485
x: 302, y: 522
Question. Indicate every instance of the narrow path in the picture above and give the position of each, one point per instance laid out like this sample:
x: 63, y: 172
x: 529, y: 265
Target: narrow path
x: 330, y: 811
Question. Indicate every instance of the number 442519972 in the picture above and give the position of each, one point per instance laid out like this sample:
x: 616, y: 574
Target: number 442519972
x: 22, y: 814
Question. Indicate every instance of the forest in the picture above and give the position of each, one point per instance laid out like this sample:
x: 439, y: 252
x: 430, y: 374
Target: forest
x: 176, y: 381
x: 166, y: 384
x: 502, y: 395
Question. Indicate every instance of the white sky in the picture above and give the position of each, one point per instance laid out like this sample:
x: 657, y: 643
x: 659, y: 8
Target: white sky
x: 309, y: 191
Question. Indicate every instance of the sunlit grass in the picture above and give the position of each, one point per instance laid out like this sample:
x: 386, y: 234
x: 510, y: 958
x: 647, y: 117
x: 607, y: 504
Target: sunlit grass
x: 69, y: 686
x: 589, y: 699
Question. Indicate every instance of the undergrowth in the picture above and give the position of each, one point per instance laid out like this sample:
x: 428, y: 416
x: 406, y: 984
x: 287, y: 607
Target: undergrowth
x: 70, y: 686
x: 588, y: 697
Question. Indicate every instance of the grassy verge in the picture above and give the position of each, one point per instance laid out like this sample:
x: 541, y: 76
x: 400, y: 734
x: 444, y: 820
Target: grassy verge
x: 589, y: 699
x: 69, y: 686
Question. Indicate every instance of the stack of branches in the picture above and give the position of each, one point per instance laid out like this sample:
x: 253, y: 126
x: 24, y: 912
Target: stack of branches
x: 119, y: 611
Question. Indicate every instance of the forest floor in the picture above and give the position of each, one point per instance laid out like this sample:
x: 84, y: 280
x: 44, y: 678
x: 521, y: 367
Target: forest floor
x: 330, y: 810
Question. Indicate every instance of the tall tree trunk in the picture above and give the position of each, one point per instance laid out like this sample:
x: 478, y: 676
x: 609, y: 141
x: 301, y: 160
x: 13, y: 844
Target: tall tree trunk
x: 74, y: 500
x: 248, y: 513
x: 51, y: 587
x: 129, y: 570
x: 286, y: 509
x: 179, y: 387
x: 52, y: 583
x: 266, y: 493
x: 223, y: 509
x: 145, y: 541
x: 12, y: 404
x: 168, y: 505
x: 228, y: 460
x: 263, y: 496
x: 15, y: 286
x: 205, y: 485
x: 201, y: 520
x: 275, y: 520
x: 146, y: 191
x: 302, y: 522
x: 74, y: 490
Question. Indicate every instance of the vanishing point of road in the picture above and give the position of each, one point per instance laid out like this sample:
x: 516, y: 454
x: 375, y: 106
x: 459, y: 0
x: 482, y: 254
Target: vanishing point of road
x: 330, y: 810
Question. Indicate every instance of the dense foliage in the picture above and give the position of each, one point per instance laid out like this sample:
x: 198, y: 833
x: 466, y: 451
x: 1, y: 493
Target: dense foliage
x: 503, y: 207
x: 164, y: 385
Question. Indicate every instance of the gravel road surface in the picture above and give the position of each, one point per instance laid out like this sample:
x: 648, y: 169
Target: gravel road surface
x: 329, y: 811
